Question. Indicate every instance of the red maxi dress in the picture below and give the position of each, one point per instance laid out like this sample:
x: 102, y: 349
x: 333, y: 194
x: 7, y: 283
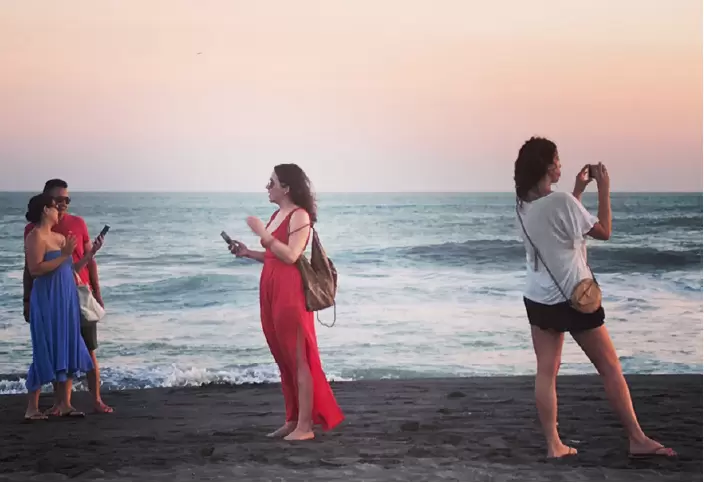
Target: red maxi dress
x: 284, y: 313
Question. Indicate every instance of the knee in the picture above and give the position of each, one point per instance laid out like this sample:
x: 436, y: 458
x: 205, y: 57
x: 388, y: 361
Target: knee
x: 610, y: 370
x: 548, y: 369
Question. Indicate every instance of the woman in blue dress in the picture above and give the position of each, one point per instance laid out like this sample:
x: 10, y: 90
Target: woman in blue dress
x: 58, y: 350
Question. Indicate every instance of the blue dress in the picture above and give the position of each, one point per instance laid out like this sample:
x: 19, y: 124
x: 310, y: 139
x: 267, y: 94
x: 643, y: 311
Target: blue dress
x: 58, y: 350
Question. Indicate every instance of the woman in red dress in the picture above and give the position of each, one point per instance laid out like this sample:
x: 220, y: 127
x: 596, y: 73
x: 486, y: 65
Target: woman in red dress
x: 288, y: 326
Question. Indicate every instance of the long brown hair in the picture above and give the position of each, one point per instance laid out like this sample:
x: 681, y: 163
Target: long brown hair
x: 299, y: 188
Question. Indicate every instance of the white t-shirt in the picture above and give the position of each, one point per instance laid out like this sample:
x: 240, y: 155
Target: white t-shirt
x: 557, y: 224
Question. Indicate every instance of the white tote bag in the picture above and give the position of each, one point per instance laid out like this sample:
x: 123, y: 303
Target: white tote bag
x: 91, y: 310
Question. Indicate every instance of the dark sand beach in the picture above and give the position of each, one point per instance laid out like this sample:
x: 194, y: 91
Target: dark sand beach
x: 435, y: 429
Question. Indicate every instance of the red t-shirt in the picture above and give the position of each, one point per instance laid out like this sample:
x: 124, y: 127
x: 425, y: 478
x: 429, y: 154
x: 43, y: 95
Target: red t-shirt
x: 77, y: 226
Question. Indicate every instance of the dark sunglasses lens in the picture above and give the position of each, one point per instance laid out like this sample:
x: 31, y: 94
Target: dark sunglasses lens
x: 63, y: 199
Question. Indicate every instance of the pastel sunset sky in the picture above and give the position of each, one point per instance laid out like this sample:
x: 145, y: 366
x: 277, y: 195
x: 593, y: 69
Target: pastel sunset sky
x: 366, y: 95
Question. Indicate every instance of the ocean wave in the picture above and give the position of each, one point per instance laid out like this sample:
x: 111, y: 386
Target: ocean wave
x: 211, y: 289
x: 638, y: 223
x: 164, y: 376
x: 605, y: 258
x: 173, y: 376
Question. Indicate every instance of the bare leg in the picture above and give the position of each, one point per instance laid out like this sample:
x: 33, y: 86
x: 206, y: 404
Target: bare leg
x: 548, y: 351
x: 304, y: 428
x: 64, y: 390
x: 33, y: 411
x: 65, y: 407
x: 94, y: 387
x: 597, y: 345
x: 54, y: 410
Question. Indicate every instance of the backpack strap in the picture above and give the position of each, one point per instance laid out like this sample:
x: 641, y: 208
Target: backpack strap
x: 290, y: 215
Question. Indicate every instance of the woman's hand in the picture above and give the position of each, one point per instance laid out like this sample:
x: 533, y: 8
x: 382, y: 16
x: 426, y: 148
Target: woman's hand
x: 581, y: 182
x: 256, y: 225
x: 601, y: 175
x: 239, y: 249
x: 69, y: 245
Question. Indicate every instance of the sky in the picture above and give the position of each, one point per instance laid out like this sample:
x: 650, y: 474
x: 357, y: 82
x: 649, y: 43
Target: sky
x: 370, y: 95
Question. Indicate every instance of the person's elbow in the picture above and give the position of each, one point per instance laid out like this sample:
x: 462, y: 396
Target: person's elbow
x: 290, y: 259
x: 34, y: 272
x: 600, y: 232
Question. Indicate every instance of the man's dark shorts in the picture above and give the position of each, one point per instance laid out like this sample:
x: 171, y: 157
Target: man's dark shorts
x: 89, y: 332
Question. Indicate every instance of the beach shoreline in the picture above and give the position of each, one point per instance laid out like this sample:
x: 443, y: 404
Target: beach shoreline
x: 480, y: 428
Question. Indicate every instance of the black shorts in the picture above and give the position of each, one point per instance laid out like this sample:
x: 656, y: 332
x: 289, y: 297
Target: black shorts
x: 89, y: 332
x: 562, y: 317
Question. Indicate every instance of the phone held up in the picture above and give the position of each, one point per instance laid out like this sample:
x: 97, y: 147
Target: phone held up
x: 592, y: 171
x: 228, y: 240
x: 102, y: 233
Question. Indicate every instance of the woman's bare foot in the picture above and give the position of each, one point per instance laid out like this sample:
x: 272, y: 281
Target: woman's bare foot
x: 300, y: 435
x: 284, y: 430
x: 560, y: 451
x: 102, y: 408
x: 52, y: 411
x: 647, y: 447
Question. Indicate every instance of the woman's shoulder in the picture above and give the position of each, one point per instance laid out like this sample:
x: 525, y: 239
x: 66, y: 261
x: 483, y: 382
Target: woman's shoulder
x: 555, y: 200
x: 300, y: 213
x: 32, y: 236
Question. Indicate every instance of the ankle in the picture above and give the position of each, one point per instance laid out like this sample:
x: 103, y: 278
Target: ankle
x: 638, y: 437
x: 553, y: 441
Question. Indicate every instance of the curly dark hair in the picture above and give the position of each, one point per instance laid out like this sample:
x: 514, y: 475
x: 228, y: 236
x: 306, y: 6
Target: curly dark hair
x: 534, y: 159
x: 36, y: 205
x: 299, y: 186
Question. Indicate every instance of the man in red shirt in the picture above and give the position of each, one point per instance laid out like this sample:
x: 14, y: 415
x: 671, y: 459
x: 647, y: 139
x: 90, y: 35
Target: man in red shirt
x: 88, y: 275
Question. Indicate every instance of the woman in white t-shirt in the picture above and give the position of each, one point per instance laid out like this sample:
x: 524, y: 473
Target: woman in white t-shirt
x: 557, y: 225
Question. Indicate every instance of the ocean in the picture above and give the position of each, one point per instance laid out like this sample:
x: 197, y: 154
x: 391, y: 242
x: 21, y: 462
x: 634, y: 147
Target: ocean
x: 429, y: 285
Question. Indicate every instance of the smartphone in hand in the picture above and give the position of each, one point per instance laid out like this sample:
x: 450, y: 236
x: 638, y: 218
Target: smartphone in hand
x: 102, y: 233
x: 232, y: 244
x: 227, y: 238
x: 592, y: 171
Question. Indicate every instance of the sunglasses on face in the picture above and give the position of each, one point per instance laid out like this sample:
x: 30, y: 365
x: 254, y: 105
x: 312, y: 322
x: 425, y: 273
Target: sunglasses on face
x: 63, y: 199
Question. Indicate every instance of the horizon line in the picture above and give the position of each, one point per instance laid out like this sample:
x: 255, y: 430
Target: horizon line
x: 174, y: 192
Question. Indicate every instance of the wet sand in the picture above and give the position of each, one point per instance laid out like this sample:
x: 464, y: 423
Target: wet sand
x: 428, y: 429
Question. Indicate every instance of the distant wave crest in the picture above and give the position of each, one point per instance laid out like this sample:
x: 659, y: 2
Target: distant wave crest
x: 603, y: 258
